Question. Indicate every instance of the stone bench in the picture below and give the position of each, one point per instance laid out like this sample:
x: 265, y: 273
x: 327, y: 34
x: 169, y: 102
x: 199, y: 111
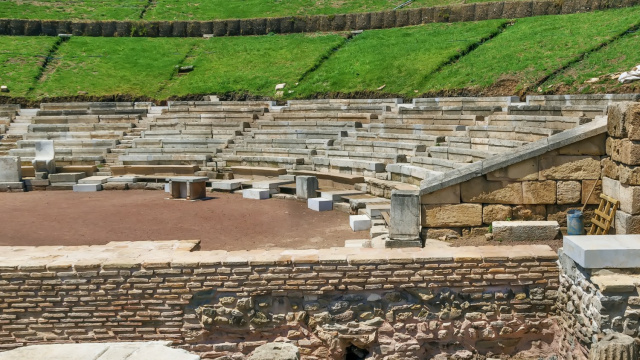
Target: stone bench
x: 486, y: 144
x: 298, y: 134
x: 153, y: 170
x: 214, y: 109
x: 308, y: 125
x: 385, y: 158
x: 168, y: 151
x: 261, y: 161
x: 189, y: 117
x: 332, y: 180
x: 304, y: 116
x: 115, y: 135
x: 450, y: 110
x: 241, y: 104
x: 459, y: 155
x: 461, y: 101
x: 180, y: 143
x: 581, y: 99
x: 410, y: 174
x: 86, y: 105
x: 92, y: 112
x: 290, y: 143
x: 427, y: 140
x: 207, y: 126
x: 547, y: 122
x: 386, y: 101
x: 401, y: 118
x: 251, y: 151
x: 173, y: 159
x: 348, y: 166
x: 71, y: 144
x: 435, y: 164
x: 85, y: 119
x: 388, y: 147
x: 60, y: 152
x: 590, y: 111
x: 190, y: 134
x: 528, y: 134
x: 83, y: 127
x: 257, y: 171
x: 188, y: 187
x: 434, y: 130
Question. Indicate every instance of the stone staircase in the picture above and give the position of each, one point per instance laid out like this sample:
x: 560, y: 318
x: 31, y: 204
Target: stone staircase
x: 18, y: 127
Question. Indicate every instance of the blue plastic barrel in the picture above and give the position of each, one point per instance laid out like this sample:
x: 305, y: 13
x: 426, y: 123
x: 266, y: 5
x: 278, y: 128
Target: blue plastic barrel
x: 575, y: 222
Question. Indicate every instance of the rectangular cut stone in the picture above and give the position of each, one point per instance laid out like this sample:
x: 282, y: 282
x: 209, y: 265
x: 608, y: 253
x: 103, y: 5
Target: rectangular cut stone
x: 624, y: 151
x: 603, y: 251
x: 629, y: 197
x: 338, y: 194
x: 256, y: 194
x: 66, y: 177
x: 626, y: 223
x: 458, y: 215
x: 359, y: 222
x: 478, y: 190
x: 524, y: 170
x: 306, y: 187
x: 624, y: 120
x: 405, y: 215
x: 568, y: 167
x: 491, y: 213
x: 87, y: 187
x: 374, y: 211
x: 611, y: 187
x: 10, y: 169
x: 227, y: 185
x: 568, y: 192
x: 525, y: 230
x: 44, y: 157
x: 587, y: 185
x: 94, y: 180
x: 270, y: 184
x: 320, y: 204
x: 448, y: 195
x: 123, y: 179
x: 539, y: 192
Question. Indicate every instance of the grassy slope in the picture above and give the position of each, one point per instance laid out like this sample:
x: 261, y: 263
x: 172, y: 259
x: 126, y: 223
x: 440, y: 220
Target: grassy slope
x: 77, y: 9
x: 20, y: 61
x: 196, y: 9
x: 102, y: 66
x: 397, y: 58
x: 531, y: 49
x: 250, y: 64
x: 619, y: 56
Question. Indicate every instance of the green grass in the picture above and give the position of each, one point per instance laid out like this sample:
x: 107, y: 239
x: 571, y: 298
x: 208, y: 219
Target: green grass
x: 617, y: 57
x: 397, y: 59
x: 76, y: 9
x: 250, y: 64
x: 532, y: 49
x: 20, y: 61
x: 108, y: 66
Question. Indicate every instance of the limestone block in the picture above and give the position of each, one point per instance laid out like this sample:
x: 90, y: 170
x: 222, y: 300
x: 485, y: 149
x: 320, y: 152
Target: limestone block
x: 306, y: 187
x: 320, y: 204
x: 629, y: 197
x: 87, y: 187
x: 491, y: 213
x: 569, y: 167
x: 437, y: 233
x: 449, y: 195
x: 227, y: 185
x: 529, y: 212
x: 256, y: 194
x: 359, y: 222
x: 479, y: 190
x: 458, y: 215
x: 94, y: 180
x: 625, y: 151
x: 611, y: 187
x: 626, y: 223
x: 275, y: 351
x: 66, y: 177
x: 587, y: 185
x: 525, y: 230
x: 10, y: 169
x: 404, y: 215
x: 524, y: 170
x: 568, y: 192
x: 604, y: 251
x: 11, y: 186
x: 592, y: 146
x: 539, y: 192
x: 610, y: 168
x: 624, y: 120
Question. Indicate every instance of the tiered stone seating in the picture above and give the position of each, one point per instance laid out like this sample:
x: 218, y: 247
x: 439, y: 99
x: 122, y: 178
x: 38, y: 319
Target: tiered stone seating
x: 580, y: 99
x: 363, y: 118
x: 403, y: 118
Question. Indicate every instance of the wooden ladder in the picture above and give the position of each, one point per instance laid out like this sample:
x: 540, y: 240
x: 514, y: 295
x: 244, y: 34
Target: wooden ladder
x: 604, y: 215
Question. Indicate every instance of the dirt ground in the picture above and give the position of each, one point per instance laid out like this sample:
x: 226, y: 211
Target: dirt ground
x: 225, y: 222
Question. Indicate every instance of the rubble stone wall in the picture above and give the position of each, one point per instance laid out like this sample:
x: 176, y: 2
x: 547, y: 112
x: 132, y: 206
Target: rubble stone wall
x: 394, y: 304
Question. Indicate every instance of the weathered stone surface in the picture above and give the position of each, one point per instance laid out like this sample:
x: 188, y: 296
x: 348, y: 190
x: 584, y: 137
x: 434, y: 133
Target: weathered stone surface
x: 624, y: 120
x: 568, y: 192
x: 539, y: 192
x: 524, y: 170
x: 568, y: 167
x: 491, y: 213
x: 603, y: 252
x: 449, y: 195
x: 624, y: 151
x: 626, y: 223
x: 529, y: 212
x: 587, y: 185
x: 593, y: 146
x: 306, y: 187
x: 404, y: 215
x: 615, y: 346
x: 629, y: 197
x: 458, y: 215
x: 435, y: 233
x: 276, y: 351
x: 525, y: 230
x: 479, y: 190
x: 10, y: 169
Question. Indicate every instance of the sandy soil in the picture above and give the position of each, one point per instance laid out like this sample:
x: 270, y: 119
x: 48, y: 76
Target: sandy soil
x: 225, y: 222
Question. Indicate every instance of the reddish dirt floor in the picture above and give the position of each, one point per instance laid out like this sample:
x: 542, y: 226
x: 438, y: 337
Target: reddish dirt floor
x: 224, y: 222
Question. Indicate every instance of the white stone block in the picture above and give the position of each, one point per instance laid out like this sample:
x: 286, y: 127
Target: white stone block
x: 10, y: 169
x: 338, y: 194
x: 603, y: 251
x: 167, y: 187
x: 257, y: 194
x: 320, y: 204
x: 87, y: 187
x: 270, y: 184
x: 359, y: 222
x: 227, y: 185
x: 525, y: 230
x: 94, y: 180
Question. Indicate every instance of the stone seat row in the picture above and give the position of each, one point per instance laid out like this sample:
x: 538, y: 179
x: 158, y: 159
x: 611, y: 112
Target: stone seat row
x: 190, y: 134
x: 210, y: 125
x: 95, y: 105
x: 86, y: 119
x: 80, y: 127
x: 207, y: 117
x: 91, y: 112
x: 59, y: 135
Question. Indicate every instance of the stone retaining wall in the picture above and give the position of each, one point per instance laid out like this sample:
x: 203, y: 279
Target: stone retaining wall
x: 309, y: 24
x: 398, y: 303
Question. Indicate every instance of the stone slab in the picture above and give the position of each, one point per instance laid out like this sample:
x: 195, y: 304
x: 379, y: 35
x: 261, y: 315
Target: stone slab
x: 603, y: 251
x: 256, y: 194
x: 306, y: 187
x: 525, y: 230
x: 66, y: 177
x: 337, y: 195
x: 87, y: 187
x: 270, y: 184
x: 227, y: 185
x: 10, y: 169
x: 374, y: 211
x: 359, y: 222
x: 320, y: 204
x: 404, y: 223
x: 123, y: 179
x: 94, y: 180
